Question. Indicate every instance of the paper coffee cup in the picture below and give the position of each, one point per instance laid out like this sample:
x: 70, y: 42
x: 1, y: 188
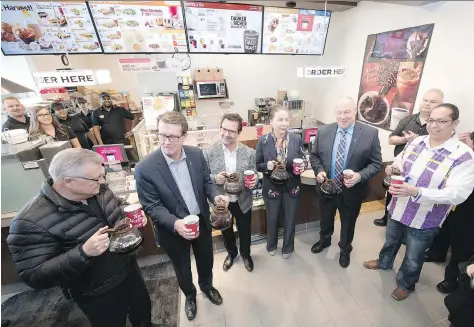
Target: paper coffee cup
x: 259, y: 129
x: 397, y: 180
x: 136, y: 215
x: 249, y: 177
x: 192, y: 223
x: 348, y: 173
x: 298, y: 166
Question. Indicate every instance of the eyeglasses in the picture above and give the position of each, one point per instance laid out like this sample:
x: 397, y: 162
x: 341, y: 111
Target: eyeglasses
x: 171, y: 138
x: 101, y: 178
x: 228, y: 131
x: 438, y: 122
x: 43, y: 115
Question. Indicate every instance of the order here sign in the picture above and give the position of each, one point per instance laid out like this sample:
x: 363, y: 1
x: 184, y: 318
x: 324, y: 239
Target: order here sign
x: 320, y: 72
x: 65, y: 78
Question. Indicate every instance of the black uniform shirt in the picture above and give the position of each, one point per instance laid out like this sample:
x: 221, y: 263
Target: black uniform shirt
x: 12, y: 123
x: 112, y: 126
x: 65, y: 137
x: 408, y: 124
x: 79, y: 128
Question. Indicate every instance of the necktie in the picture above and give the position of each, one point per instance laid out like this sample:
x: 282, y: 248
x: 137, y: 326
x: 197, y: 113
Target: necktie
x: 339, y: 166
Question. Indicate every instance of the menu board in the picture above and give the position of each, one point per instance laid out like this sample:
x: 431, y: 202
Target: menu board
x: 295, y: 31
x: 223, y: 28
x: 140, y: 26
x: 30, y: 28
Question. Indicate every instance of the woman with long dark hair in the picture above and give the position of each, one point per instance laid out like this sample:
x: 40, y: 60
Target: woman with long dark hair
x: 42, y: 122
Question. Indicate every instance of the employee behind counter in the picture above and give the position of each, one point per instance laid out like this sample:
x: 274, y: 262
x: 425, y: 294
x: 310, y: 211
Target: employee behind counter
x: 109, y: 126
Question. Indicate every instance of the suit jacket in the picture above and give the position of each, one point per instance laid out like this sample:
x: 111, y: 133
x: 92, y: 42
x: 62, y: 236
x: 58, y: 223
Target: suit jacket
x: 245, y: 161
x: 364, y: 157
x: 266, y: 152
x: 159, y: 194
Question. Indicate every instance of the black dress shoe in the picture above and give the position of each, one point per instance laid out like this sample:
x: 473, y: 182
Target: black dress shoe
x: 429, y: 258
x: 446, y: 288
x: 228, y: 262
x: 380, y: 222
x: 318, y: 247
x: 214, y: 296
x: 190, y: 308
x: 344, y: 260
x: 248, y: 263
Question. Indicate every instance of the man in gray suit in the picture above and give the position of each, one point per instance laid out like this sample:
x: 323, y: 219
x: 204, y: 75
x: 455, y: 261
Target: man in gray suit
x: 230, y: 156
x: 172, y: 183
x: 346, y: 144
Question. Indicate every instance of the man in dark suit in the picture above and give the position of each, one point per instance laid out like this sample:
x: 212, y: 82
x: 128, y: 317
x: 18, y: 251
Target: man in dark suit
x: 174, y: 182
x: 350, y: 145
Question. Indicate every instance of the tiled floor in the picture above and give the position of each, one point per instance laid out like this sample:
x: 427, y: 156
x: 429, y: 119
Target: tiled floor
x: 311, y: 290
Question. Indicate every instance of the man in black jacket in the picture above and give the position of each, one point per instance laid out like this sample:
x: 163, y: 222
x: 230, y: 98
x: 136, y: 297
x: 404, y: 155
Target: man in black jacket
x: 58, y: 239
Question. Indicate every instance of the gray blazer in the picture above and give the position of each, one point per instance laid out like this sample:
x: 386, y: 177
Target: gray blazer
x: 364, y: 156
x: 245, y: 161
x: 159, y: 194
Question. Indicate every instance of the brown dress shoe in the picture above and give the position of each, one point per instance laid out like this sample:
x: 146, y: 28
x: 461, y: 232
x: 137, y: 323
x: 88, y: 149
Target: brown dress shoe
x: 372, y: 264
x: 400, y: 294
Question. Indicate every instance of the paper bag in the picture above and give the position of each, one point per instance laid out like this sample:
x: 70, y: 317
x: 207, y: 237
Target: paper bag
x: 218, y: 74
x: 199, y: 74
x: 209, y: 74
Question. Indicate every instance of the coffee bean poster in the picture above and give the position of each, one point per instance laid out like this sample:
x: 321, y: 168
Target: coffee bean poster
x: 391, y: 74
x: 223, y: 28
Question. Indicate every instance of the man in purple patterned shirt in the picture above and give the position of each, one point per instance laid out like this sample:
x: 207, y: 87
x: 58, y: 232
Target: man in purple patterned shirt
x: 438, y: 170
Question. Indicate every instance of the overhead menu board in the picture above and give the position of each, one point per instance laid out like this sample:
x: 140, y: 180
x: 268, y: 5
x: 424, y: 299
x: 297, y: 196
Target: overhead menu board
x: 30, y: 28
x: 223, y: 28
x: 295, y: 31
x: 140, y: 26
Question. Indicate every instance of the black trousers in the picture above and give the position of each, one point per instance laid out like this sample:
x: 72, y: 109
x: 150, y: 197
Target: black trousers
x: 243, y: 221
x: 460, y: 305
x: 388, y: 198
x: 179, y: 251
x: 348, y: 216
x: 130, y: 299
x: 456, y: 232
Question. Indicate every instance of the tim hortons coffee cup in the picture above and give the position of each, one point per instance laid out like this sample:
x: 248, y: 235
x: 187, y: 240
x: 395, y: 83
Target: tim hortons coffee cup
x: 397, y: 180
x: 136, y: 215
x: 192, y: 223
x: 251, y: 41
x: 348, y: 173
x: 249, y: 177
x: 298, y: 166
x: 259, y: 129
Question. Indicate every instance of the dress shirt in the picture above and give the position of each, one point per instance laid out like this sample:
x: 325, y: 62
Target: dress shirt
x: 349, y: 131
x: 230, y: 159
x: 179, y: 170
x: 444, y: 176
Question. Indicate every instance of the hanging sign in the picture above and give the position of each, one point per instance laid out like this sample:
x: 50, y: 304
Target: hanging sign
x: 71, y: 78
x: 320, y: 72
x: 144, y: 65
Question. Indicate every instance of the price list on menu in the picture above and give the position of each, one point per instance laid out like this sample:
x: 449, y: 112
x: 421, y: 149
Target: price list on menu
x: 47, y: 28
x: 223, y: 27
x: 295, y: 31
x: 140, y: 26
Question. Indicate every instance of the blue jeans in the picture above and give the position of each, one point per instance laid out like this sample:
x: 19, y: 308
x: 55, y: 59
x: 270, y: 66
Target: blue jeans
x: 417, y: 242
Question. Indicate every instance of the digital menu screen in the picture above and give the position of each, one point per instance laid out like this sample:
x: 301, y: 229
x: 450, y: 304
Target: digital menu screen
x: 223, y: 28
x: 30, y: 28
x: 140, y: 26
x: 295, y: 31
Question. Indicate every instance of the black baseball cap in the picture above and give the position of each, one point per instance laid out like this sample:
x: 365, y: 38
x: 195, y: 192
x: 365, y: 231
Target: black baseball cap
x: 81, y: 100
x: 56, y: 105
x: 104, y: 94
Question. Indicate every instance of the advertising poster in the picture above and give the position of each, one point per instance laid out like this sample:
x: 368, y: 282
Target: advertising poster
x: 391, y: 74
x: 295, y: 31
x: 140, y: 26
x: 30, y: 28
x: 223, y: 28
x: 156, y: 106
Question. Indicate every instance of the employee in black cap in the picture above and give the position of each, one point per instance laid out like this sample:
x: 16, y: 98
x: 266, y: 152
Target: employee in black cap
x: 109, y: 127
x: 83, y: 111
x: 77, y: 125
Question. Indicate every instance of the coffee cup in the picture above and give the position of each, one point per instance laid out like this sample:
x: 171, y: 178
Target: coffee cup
x: 259, y: 129
x: 249, y: 177
x: 298, y: 166
x: 348, y: 173
x: 397, y: 180
x: 136, y: 215
x: 192, y: 222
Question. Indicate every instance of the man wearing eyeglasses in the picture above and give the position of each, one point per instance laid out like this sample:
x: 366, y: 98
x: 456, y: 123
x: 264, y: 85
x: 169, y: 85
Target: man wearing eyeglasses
x: 408, y: 129
x: 174, y: 182
x: 439, y: 173
x: 225, y: 157
x: 59, y: 239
